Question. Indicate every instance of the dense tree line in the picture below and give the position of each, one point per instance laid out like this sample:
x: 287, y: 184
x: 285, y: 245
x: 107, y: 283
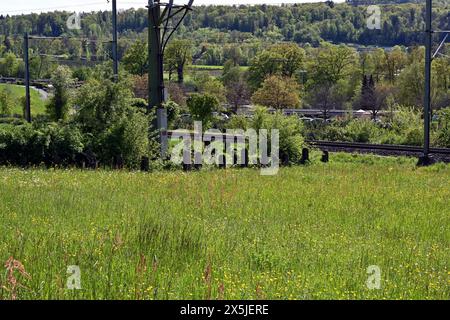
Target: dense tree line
x: 381, y: 2
x: 338, y: 77
x: 302, y: 23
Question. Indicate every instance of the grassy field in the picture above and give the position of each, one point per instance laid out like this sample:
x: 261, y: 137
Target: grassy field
x: 308, y: 233
x: 212, y: 68
x: 37, y: 103
x: 205, y: 67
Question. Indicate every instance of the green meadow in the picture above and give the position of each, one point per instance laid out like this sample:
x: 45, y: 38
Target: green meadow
x: 37, y: 103
x: 309, y: 232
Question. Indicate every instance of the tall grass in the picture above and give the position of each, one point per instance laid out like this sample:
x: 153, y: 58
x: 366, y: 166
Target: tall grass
x: 307, y: 233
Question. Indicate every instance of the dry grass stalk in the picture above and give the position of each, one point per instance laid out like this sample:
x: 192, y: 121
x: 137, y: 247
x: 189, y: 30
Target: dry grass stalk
x: 207, y: 277
x: 12, y: 265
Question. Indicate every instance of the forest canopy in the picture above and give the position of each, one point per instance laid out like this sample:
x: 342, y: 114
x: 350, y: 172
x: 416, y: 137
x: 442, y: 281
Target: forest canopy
x: 339, y: 23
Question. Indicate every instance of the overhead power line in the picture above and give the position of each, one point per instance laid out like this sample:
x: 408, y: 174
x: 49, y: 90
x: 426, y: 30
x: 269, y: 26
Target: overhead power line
x: 54, y: 8
x: 69, y: 38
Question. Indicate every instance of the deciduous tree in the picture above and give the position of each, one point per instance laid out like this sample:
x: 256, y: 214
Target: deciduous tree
x: 58, y: 107
x: 278, y: 92
x: 178, y: 54
x: 135, y: 60
x: 282, y: 60
x: 201, y: 107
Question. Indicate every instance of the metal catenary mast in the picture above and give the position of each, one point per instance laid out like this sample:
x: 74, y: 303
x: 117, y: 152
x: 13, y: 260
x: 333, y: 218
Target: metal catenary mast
x: 429, y: 56
x: 164, y: 19
x: 160, y: 31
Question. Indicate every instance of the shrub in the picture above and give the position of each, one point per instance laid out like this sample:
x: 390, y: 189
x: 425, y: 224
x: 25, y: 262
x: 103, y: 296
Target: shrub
x: 66, y: 142
x: 9, y: 65
x: 407, y: 124
x: 401, y: 126
x: 442, y: 135
x: 52, y: 144
x: 335, y: 131
x: 58, y: 107
x: 12, y: 120
x: 173, y: 112
x: 201, y: 108
x: 120, y: 131
x: 81, y: 73
x: 389, y: 137
x: 16, y: 144
x: 291, y: 137
x: 413, y: 137
x: 359, y: 130
x: 139, y: 103
x: 101, y: 103
x: 23, y: 104
x: 125, y: 142
x: 290, y: 130
x: 238, y: 122
x: 5, y: 102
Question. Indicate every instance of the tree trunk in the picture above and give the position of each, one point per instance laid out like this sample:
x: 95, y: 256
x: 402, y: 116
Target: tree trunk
x: 180, y: 71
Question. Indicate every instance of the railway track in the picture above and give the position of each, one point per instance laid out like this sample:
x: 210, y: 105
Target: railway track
x: 354, y: 146
x: 380, y: 149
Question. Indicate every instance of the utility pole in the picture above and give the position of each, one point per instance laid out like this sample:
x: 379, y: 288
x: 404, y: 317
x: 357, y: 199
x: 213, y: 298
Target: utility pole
x: 429, y: 57
x: 114, y: 42
x: 427, y: 98
x: 27, y: 79
x: 159, y: 34
x: 155, y: 56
